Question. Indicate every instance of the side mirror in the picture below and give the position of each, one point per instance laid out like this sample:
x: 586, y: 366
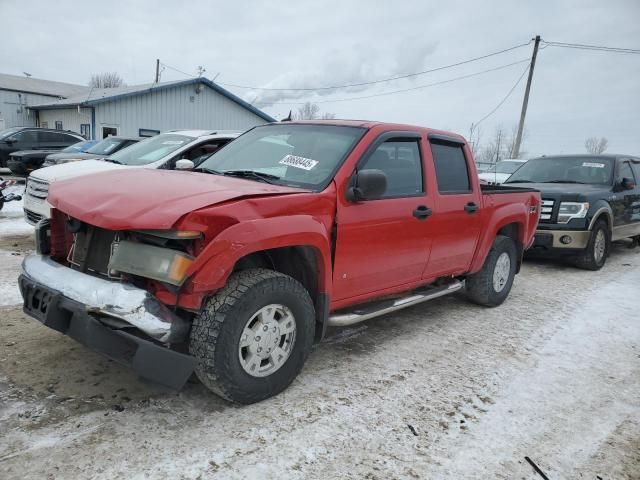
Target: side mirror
x: 627, y: 184
x: 184, y: 164
x: 10, y: 140
x: 367, y: 185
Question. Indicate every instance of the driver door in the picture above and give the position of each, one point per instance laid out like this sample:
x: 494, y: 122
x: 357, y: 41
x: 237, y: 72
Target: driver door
x: 384, y: 243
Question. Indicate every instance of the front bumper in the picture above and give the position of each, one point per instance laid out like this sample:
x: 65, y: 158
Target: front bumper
x: 552, y: 239
x: 18, y: 168
x: 107, y: 298
x: 79, y: 321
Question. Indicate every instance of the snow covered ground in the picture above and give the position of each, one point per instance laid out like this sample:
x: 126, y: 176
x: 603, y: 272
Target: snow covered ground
x: 445, y: 390
x: 13, y: 233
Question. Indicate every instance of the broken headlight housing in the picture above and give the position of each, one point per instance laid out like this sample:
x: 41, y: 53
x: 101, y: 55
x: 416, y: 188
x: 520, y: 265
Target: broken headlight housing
x: 156, y: 259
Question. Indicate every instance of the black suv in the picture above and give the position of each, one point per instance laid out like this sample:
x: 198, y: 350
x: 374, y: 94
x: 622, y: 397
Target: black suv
x: 32, y: 138
x: 588, y: 201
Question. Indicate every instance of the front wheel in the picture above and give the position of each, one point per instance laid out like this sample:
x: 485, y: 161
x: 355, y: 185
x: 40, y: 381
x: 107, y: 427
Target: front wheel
x: 491, y: 285
x: 252, y: 338
x: 595, y: 255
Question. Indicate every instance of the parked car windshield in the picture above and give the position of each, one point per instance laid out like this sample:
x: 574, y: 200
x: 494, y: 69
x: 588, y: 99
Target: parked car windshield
x: 580, y: 169
x: 150, y: 149
x: 8, y: 132
x: 106, y: 146
x: 297, y: 155
x: 79, y: 147
x: 505, y: 166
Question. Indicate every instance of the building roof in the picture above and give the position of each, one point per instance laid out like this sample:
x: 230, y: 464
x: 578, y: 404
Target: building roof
x: 95, y: 96
x: 17, y: 83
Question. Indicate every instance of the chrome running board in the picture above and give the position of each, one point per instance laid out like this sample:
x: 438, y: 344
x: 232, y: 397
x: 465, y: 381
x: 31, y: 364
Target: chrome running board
x: 365, y: 312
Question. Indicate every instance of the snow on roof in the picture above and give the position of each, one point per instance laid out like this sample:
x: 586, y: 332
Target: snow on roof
x: 37, y: 85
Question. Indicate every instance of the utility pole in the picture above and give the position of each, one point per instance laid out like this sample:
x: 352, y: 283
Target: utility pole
x: 157, y: 70
x: 523, y: 113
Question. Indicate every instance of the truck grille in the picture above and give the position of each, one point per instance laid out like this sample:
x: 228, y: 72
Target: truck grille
x: 37, y: 188
x: 546, y: 213
x: 92, y: 249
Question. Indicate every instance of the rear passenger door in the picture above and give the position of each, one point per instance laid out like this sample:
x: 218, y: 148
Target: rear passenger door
x: 384, y: 243
x: 457, y: 217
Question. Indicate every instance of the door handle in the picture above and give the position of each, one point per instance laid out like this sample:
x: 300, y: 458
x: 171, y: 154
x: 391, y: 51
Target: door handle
x: 471, y: 207
x: 422, y: 211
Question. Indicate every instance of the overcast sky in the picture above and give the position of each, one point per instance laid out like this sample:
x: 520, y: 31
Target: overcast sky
x: 306, y: 44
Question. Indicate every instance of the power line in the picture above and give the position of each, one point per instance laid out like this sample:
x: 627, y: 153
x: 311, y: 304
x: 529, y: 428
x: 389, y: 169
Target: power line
x: 504, y: 99
x: 393, y: 92
x: 176, y: 70
x: 582, y: 46
x: 383, y: 80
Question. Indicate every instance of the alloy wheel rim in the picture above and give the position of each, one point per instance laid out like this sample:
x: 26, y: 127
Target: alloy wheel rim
x: 501, y: 272
x: 267, y: 340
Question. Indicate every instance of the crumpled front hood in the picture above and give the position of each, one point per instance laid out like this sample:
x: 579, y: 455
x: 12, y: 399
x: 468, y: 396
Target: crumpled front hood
x: 136, y: 198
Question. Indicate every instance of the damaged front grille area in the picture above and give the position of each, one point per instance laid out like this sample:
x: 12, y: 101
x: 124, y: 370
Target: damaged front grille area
x: 92, y: 249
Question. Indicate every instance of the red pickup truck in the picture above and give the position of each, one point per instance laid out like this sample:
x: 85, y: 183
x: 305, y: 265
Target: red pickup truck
x: 234, y: 269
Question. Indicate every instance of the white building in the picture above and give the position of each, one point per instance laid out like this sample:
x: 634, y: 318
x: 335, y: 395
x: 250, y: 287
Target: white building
x: 145, y: 110
x: 17, y: 94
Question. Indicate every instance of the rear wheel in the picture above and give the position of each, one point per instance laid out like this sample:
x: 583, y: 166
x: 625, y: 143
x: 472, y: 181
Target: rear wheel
x: 595, y: 255
x: 491, y: 285
x: 252, y: 338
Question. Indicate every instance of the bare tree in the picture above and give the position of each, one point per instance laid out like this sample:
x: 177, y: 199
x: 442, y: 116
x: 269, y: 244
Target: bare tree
x: 595, y: 146
x: 475, y: 139
x: 106, y: 80
x: 311, y: 111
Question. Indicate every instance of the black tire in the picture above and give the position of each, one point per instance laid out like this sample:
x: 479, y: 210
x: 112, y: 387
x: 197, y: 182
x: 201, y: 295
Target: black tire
x: 1, y: 204
x: 216, y: 334
x: 588, y: 260
x: 479, y: 286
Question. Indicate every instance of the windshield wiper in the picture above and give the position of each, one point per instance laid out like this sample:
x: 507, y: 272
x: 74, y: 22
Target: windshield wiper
x: 263, y: 177
x: 107, y: 159
x: 519, y: 181
x: 562, y: 181
x: 207, y: 170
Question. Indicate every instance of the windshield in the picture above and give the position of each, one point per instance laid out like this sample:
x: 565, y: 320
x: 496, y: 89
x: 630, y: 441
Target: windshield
x: 106, y: 146
x: 78, y: 147
x: 506, y: 167
x: 8, y: 132
x: 299, y: 155
x: 151, y: 149
x: 594, y: 170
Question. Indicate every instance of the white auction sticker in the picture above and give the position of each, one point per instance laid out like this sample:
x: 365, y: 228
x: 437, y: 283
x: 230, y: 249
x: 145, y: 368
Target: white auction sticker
x: 593, y: 165
x: 298, y: 162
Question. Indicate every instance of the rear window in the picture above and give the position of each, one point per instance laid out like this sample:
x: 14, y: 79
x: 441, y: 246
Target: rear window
x: 451, y: 168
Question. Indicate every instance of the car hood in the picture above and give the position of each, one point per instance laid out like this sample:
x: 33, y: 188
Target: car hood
x: 73, y: 169
x: 138, y: 198
x: 494, y: 177
x: 79, y: 155
x: 26, y: 153
x: 566, y: 190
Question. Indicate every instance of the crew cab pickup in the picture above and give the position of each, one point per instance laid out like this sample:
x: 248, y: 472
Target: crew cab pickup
x: 588, y: 201
x: 235, y: 268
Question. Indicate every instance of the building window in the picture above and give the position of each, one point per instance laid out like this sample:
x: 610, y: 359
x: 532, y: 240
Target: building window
x: 58, y: 125
x: 109, y: 131
x: 85, y: 130
x: 147, y: 132
x: 44, y: 124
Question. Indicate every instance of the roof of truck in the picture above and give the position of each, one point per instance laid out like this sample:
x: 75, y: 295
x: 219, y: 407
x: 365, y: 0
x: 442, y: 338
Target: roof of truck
x: 373, y: 123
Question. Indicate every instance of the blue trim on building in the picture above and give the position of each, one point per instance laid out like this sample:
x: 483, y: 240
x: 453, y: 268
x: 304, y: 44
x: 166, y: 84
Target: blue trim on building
x: 217, y: 88
x: 93, y: 123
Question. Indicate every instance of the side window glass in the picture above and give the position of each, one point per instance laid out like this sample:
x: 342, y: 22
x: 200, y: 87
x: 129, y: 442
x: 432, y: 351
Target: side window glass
x: 26, y: 136
x: 625, y: 171
x: 400, y: 160
x: 451, y: 168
